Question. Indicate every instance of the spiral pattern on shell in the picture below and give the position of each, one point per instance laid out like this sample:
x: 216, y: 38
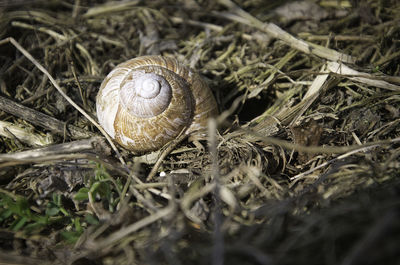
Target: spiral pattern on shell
x: 146, y: 102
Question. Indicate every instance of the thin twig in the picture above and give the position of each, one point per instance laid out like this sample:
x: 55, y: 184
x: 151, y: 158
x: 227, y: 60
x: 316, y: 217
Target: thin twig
x: 360, y: 77
x: 25, y: 135
x: 42, y: 120
x: 94, y: 145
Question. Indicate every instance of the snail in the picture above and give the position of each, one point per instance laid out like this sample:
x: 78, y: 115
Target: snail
x: 146, y: 102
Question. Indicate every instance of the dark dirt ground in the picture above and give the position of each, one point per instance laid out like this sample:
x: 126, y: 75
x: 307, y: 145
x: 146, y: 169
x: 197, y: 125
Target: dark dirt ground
x: 304, y: 168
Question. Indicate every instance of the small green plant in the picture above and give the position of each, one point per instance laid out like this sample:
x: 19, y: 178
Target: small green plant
x: 100, y: 186
x: 16, y: 214
x: 55, y: 206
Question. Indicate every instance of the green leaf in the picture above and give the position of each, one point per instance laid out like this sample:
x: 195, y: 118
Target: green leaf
x: 52, y: 211
x: 82, y: 194
x: 19, y: 223
x: 71, y: 236
x: 5, y: 214
x: 91, y: 219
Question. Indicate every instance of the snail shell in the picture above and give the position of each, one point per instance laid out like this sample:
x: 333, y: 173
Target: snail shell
x: 146, y: 102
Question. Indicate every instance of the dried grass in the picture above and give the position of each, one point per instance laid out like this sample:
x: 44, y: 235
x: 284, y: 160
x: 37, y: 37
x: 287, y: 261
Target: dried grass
x: 303, y: 169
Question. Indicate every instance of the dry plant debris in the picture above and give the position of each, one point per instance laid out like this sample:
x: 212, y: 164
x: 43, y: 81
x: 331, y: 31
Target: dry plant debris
x: 301, y: 167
